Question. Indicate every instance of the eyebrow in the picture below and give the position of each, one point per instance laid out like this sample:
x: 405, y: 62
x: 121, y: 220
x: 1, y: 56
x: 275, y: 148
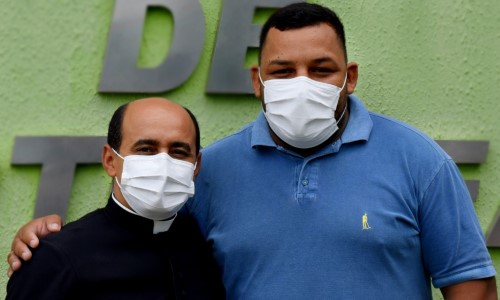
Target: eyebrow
x: 181, y: 145
x: 280, y: 62
x: 324, y: 59
x: 142, y: 142
x: 151, y: 142
x: 319, y: 60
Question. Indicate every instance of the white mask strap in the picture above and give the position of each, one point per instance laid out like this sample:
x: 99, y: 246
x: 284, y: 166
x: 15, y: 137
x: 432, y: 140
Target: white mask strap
x: 343, y: 85
x: 116, y: 178
x: 342, y: 115
x: 260, y: 78
x: 117, y: 154
x: 119, y: 185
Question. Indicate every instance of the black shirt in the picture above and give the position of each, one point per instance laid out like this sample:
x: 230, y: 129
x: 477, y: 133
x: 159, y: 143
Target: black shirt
x: 113, y: 254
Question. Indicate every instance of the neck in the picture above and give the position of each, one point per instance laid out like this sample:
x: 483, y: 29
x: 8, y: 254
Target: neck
x: 118, y: 194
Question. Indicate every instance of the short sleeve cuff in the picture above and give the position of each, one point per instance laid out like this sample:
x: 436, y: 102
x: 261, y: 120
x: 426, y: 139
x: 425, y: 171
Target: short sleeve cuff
x: 478, y: 273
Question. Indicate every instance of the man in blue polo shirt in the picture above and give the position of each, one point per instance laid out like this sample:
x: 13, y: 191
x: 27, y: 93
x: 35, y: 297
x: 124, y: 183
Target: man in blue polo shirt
x: 319, y: 198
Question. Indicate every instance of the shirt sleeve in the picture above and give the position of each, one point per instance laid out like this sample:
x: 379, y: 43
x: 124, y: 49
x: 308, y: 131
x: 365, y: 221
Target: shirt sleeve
x: 47, y: 275
x: 453, y: 244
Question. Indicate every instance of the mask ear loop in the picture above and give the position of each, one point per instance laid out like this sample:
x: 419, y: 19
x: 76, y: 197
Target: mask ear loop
x: 346, y: 104
x: 342, y: 115
x: 260, y: 78
x: 116, y: 178
x: 117, y: 154
x: 119, y: 185
x: 345, y: 81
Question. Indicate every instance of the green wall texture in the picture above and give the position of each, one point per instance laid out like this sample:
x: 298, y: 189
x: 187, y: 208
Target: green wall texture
x: 433, y: 64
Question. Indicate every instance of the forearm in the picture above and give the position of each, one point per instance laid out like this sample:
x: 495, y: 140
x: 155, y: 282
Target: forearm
x: 480, y: 289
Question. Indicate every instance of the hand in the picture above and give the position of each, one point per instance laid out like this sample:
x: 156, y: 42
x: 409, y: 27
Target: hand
x: 29, y: 234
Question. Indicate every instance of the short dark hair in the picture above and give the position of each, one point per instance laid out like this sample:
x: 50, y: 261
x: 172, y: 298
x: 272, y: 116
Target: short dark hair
x: 115, y: 128
x: 300, y: 15
x: 196, y: 128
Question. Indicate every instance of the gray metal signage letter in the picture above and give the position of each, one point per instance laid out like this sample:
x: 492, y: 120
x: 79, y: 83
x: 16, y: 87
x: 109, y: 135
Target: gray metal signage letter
x: 58, y: 157
x: 236, y: 33
x: 467, y: 152
x: 120, y: 73
x: 493, y: 233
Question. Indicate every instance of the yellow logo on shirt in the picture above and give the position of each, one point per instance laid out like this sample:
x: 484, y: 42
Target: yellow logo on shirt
x: 364, y: 221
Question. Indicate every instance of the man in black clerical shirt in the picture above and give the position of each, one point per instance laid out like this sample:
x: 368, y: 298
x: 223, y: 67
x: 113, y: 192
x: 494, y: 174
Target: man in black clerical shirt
x: 137, y: 246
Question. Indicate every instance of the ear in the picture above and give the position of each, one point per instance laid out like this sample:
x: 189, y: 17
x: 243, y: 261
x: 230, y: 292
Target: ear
x: 352, y: 77
x: 255, y: 81
x: 198, y: 165
x: 108, y: 160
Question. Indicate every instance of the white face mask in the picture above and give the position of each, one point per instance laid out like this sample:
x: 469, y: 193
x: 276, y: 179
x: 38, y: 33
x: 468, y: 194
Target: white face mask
x: 301, y: 111
x: 156, y: 186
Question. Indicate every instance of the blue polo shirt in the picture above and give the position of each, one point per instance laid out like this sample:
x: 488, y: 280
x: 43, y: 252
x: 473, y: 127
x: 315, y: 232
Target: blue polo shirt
x: 378, y: 214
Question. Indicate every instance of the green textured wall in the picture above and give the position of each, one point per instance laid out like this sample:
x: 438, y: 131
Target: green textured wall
x: 432, y: 64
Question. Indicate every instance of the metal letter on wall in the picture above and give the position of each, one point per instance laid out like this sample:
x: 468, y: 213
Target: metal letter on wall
x: 236, y: 33
x: 120, y: 73
x: 493, y: 234
x: 58, y: 157
x: 467, y: 152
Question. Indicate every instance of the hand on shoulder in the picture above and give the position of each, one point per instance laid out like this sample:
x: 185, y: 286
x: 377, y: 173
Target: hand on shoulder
x: 28, y: 237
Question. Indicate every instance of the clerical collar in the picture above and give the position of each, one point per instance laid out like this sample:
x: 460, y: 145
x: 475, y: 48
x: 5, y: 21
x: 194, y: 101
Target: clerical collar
x: 158, y: 226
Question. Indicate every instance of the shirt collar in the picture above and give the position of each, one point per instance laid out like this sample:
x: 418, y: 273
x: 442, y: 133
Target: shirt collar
x: 358, y: 127
x: 360, y: 123
x: 158, y: 226
x: 261, y: 135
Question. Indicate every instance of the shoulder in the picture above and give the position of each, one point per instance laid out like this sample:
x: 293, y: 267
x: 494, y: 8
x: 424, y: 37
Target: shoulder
x: 79, y: 232
x: 221, y: 152
x: 230, y: 141
x: 398, y: 135
x: 49, y: 274
x: 391, y: 126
